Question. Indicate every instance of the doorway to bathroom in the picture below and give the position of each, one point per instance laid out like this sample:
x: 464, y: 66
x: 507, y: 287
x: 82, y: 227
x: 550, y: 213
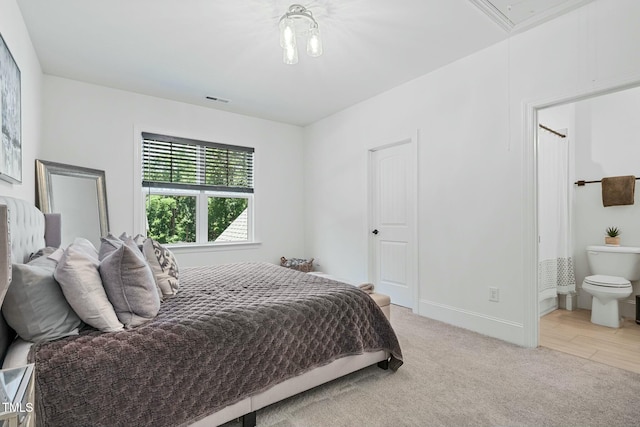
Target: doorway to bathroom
x: 601, y: 140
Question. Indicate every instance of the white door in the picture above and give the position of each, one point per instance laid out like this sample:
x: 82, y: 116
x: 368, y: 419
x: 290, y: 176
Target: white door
x: 393, y: 225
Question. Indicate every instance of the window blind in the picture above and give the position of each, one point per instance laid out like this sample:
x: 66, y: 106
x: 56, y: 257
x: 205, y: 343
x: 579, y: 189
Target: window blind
x: 181, y: 163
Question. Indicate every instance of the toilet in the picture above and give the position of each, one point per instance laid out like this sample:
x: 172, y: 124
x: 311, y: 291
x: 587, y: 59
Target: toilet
x: 613, y: 267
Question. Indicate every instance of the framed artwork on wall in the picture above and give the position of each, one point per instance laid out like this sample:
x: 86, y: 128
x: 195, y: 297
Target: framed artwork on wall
x: 10, y: 117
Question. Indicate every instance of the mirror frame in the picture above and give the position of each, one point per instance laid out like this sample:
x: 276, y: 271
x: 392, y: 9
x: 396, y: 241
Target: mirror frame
x: 44, y: 171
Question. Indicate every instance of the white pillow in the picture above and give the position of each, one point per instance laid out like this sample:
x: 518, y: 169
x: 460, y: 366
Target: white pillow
x: 164, y: 267
x: 86, y: 246
x: 78, y: 276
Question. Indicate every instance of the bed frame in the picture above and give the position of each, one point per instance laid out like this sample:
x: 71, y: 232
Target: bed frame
x: 24, y: 230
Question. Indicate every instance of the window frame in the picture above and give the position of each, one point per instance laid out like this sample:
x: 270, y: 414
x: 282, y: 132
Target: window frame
x: 202, y: 212
x: 201, y: 195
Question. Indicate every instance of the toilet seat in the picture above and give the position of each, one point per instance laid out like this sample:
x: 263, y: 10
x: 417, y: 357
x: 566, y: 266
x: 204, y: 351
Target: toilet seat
x: 607, y: 281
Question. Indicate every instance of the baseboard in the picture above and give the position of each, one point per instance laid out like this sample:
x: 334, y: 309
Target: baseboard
x: 547, y: 306
x: 505, y: 330
x: 545, y: 311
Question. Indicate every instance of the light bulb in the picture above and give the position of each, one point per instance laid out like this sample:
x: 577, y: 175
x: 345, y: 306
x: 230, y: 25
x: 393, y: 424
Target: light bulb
x: 290, y: 56
x: 287, y: 33
x: 314, y: 44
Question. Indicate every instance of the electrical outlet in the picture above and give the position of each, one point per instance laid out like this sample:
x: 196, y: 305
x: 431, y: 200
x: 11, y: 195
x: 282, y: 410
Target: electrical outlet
x: 494, y: 294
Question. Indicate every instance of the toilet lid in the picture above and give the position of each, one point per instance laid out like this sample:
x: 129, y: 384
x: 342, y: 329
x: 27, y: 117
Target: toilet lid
x: 608, y: 281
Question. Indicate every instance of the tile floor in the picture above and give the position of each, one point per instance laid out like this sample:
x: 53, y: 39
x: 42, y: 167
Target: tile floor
x: 572, y: 332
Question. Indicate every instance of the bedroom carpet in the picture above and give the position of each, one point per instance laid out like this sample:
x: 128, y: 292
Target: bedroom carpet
x: 454, y: 377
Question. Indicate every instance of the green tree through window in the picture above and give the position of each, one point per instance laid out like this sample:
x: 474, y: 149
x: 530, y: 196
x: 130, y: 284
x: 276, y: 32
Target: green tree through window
x: 171, y: 219
x: 223, y: 212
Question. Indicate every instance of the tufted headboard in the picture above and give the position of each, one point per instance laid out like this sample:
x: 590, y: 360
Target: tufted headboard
x: 23, y: 230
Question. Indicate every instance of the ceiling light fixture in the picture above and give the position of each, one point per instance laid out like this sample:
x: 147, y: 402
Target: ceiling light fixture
x: 289, y: 30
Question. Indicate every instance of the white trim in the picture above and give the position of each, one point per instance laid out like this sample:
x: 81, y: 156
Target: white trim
x: 138, y: 200
x: 415, y: 273
x: 202, y: 216
x: 530, y: 229
x: 416, y: 225
x: 538, y: 18
x: 487, y: 325
x: 530, y: 187
x: 211, y: 247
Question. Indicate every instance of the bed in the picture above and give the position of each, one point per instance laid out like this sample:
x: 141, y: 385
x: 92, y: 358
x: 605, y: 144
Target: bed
x: 235, y: 339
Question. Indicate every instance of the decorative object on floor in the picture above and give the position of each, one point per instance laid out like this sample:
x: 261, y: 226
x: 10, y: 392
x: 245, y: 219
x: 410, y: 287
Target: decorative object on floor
x: 299, y: 264
x: 613, y: 236
x: 618, y: 190
x: 299, y: 21
x: 10, y: 117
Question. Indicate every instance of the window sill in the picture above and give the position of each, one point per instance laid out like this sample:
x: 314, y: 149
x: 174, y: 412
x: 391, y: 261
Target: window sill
x: 211, y: 247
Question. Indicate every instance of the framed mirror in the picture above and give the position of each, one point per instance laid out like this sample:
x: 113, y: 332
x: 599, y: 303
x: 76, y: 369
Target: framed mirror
x: 79, y: 195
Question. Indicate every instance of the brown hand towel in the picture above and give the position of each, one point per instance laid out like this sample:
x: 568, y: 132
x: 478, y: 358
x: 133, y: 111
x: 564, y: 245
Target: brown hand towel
x: 618, y: 190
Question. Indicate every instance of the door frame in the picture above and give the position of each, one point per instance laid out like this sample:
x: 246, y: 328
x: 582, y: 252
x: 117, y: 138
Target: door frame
x: 414, y: 274
x: 530, y: 192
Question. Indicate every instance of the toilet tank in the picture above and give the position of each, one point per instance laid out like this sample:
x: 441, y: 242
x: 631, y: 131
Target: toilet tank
x: 622, y: 261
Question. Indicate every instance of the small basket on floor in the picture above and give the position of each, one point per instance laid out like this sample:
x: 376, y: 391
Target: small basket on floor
x: 304, y: 265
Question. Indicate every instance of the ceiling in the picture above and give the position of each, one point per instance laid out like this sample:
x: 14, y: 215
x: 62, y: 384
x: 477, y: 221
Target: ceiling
x: 186, y: 50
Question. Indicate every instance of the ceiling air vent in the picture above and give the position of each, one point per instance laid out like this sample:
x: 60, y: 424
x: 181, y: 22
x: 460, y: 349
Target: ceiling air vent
x: 518, y: 15
x: 215, y: 98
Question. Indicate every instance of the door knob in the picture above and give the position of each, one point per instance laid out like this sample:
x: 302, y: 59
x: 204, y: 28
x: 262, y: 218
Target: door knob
x: 375, y: 231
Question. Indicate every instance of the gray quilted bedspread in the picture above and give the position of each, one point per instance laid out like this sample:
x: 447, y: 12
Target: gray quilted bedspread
x: 231, y: 331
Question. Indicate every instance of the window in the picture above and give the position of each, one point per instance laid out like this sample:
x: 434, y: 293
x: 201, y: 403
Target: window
x: 197, y: 191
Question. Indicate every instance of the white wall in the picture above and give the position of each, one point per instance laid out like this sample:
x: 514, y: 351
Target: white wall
x: 17, y: 39
x: 96, y: 127
x: 473, y: 215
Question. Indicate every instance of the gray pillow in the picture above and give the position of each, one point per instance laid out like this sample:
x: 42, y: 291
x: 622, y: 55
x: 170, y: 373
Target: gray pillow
x: 128, y: 281
x: 139, y: 240
x: 35, y: 306
x: 78, y: 276
x: 108, y: 244
x: 164, y: 267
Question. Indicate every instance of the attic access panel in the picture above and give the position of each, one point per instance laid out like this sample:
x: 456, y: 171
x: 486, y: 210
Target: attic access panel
x: 518, y: 15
